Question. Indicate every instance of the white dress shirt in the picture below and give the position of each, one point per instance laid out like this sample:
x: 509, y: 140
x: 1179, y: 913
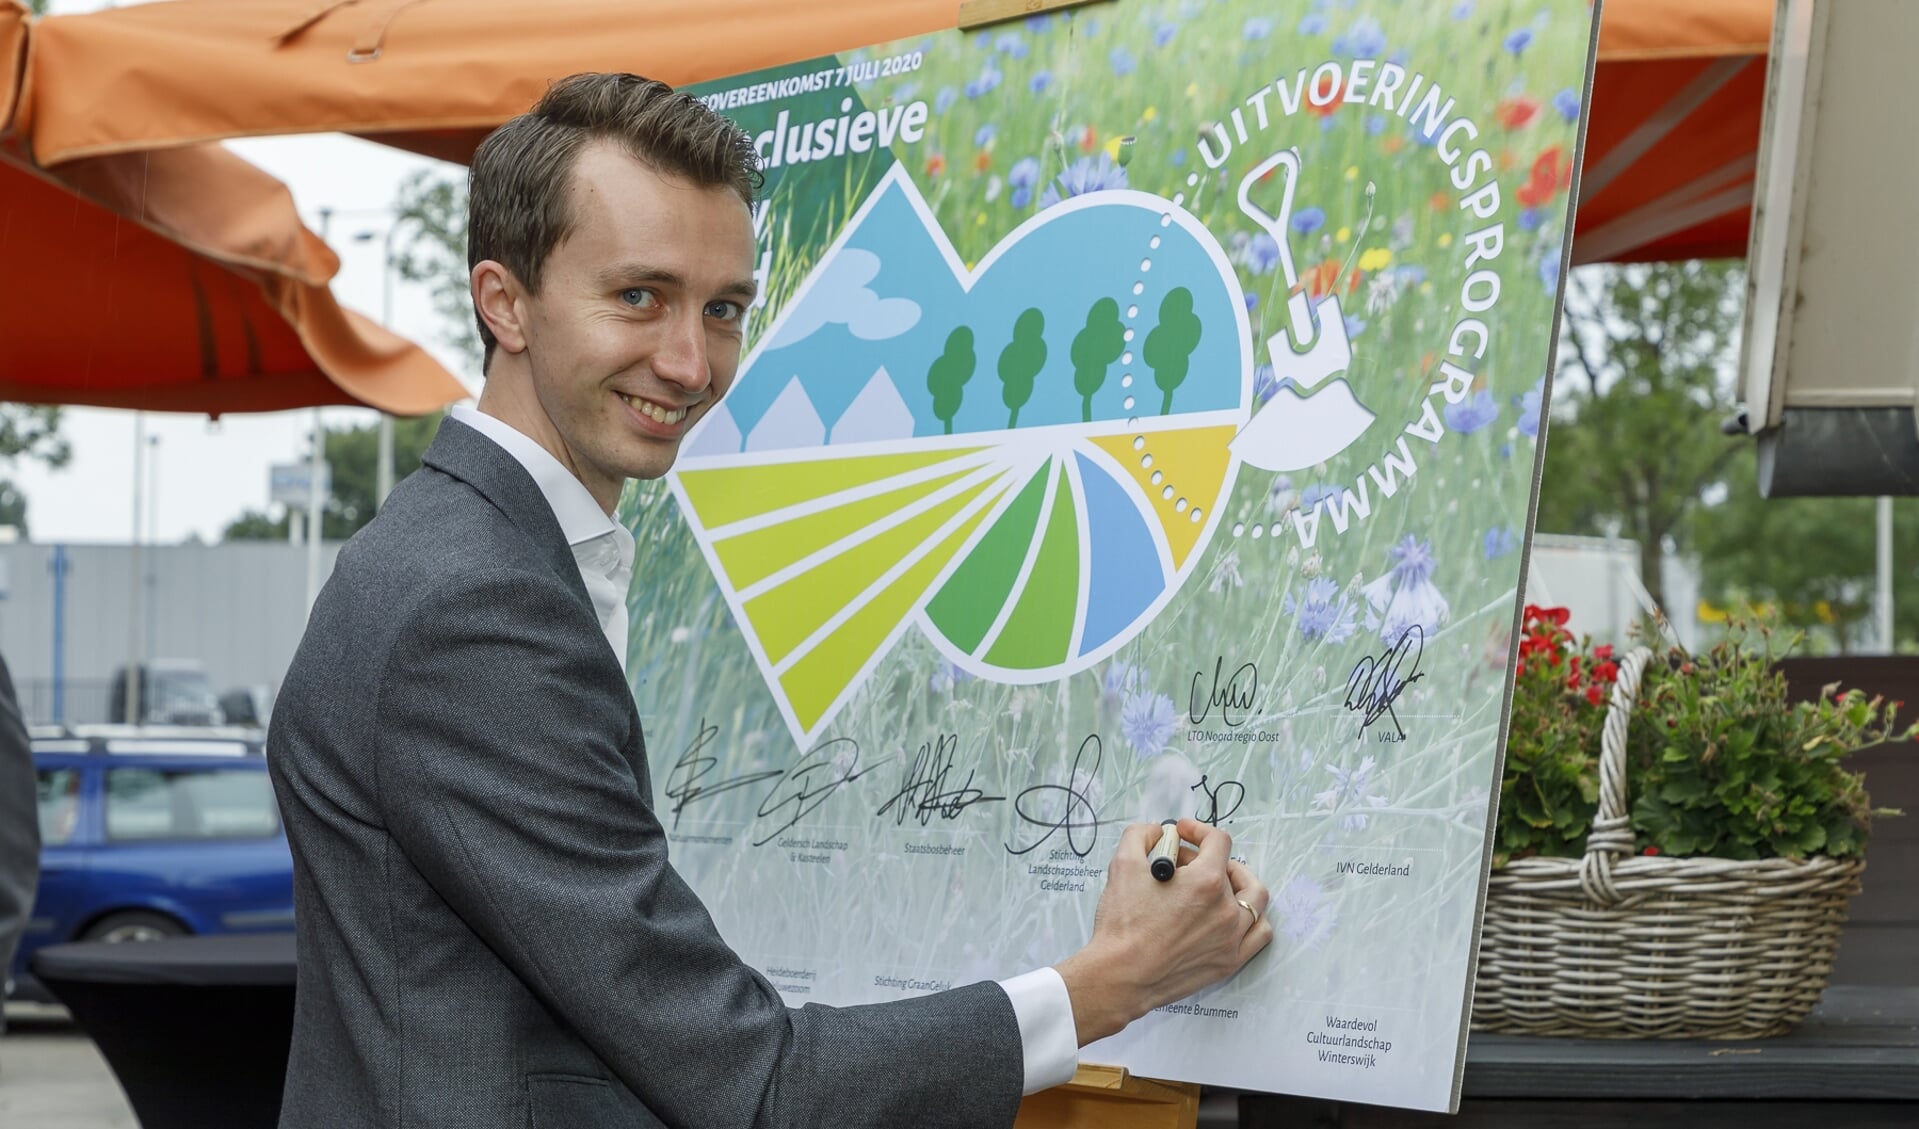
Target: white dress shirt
x: 603, y: 550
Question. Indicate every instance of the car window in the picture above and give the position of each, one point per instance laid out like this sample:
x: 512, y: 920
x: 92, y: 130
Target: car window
x: 59, y: 805
x: 190, y: 804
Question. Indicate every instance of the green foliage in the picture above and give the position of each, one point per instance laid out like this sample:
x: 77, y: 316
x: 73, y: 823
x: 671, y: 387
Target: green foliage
x: 1021, y: 361
x: 13, y: 507
x: 1722, y: 764
x: 431, y: 248
x: 1169, y: 347
x: 1808, y: 561
x: 27, y: 431
x: 1642, y: 388
x: 1719, y: 762
x: 353, y: 456
x: 1550, y: 790
x: 32, y: 431
x: 950, y: 371
x: 1095, y: 348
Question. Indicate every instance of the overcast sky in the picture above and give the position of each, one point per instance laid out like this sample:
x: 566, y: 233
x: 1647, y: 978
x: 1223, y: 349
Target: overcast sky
x: 203, y: 474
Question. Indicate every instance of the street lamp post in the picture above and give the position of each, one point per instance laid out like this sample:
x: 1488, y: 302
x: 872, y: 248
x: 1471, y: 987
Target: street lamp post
x: 152, y: 578
x: 314, y: 464
x: 135, y: 590
x: 383, y: 478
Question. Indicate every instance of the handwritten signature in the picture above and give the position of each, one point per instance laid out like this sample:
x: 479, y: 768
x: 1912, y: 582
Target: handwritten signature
x: 808, y: 784
x: 686, y: 781
x: 1377, y: 682
x: 1236, y: 694
x: 1214, y: 794
x: 923, y: 790
x: 1076, y: 813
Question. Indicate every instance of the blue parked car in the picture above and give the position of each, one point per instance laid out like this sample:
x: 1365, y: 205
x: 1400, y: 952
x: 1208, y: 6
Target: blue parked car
x: 148, y: 833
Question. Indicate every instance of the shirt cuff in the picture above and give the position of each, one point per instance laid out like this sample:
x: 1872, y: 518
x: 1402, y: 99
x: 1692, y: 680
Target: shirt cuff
x: 1049, y: 1040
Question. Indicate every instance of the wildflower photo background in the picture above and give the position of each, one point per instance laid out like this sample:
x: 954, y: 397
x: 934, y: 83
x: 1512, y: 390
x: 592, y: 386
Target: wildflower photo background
x: 894, y: 740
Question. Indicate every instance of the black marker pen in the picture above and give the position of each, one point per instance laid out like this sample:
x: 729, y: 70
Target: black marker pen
x: 1166, y: 854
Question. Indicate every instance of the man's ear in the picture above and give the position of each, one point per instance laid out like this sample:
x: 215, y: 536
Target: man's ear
x: 496, y: 295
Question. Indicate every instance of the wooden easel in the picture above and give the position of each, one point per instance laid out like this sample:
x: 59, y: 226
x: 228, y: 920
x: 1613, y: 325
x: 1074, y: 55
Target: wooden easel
x: 1098, y: 1097
x: 1107, y: 1097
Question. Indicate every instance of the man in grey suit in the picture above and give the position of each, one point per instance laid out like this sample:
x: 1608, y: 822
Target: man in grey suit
x: 19, y: 831
x: 490, y: 931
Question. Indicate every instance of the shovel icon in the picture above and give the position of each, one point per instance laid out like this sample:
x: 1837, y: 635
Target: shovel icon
x: 1293, y: 432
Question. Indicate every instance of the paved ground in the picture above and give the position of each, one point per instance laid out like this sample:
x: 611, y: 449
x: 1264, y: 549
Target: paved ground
x: 51, y: 1077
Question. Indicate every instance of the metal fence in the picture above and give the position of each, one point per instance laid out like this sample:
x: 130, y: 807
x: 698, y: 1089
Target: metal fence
x: 82, y: 701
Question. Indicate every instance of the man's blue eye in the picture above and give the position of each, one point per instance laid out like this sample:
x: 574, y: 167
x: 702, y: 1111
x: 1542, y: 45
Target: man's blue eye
x: 636, y: 296
x: 725, y: 311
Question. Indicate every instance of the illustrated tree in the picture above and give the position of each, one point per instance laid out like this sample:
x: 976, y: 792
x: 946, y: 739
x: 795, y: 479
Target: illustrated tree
x: 1021, y: 361
x: 352, y: 456
x: 947, y: 378
x: 1169, y: 347
x: 1095, y: 349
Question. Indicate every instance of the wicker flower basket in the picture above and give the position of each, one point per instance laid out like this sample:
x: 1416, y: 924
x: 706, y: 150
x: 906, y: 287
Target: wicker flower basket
x: 1621, y: 946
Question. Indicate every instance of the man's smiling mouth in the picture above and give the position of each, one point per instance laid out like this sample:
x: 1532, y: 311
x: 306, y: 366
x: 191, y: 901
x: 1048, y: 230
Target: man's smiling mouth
x: 654, y: 412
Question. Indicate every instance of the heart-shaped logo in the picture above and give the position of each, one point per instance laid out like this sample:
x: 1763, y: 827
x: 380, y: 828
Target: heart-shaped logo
x: 1024, y: 457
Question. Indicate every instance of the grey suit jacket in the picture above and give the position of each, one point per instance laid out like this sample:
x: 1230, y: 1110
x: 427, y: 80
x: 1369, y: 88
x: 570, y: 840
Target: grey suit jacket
x: 19, y: 827
x: 490, y: 933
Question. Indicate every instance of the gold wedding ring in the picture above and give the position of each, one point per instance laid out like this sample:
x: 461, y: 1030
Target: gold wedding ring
x: 1249, y: 907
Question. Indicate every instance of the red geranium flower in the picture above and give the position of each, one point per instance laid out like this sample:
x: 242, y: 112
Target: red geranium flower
x: 1593, y: 695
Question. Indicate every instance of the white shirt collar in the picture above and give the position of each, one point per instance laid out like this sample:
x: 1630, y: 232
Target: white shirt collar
x: 580, y: 517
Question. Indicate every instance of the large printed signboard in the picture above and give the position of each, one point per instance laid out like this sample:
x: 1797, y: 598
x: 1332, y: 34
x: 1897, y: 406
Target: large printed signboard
x: 1140, y: 419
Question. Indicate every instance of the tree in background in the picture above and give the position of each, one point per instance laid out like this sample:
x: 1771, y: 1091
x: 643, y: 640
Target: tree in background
x: 13, y: 507
x: 353, y: 456
x: 27, y: 431
x: 1169, y: 347
x: 1810, y: 562
x: 431, y: 210
x: 947, y: 377
x: 1095, y: 348
x: 1644, y: 382
x: 1021, y: 361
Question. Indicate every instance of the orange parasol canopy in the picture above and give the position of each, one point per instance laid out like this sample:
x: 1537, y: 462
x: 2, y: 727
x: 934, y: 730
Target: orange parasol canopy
x: 433, y: 76
x: 1672, y: 143
x: 177, y: 280
x: 1671, y: 146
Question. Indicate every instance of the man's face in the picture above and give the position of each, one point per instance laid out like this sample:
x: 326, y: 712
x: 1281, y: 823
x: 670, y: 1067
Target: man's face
x: 635, y: 333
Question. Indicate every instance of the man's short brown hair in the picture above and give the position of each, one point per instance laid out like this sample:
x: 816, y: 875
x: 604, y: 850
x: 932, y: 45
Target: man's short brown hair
x: 517, y: 186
